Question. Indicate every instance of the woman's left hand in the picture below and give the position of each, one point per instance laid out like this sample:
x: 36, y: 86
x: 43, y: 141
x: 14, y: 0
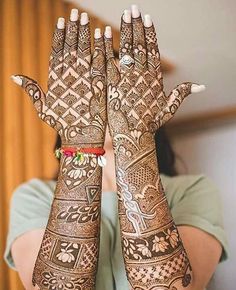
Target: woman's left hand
x: 136, y: 99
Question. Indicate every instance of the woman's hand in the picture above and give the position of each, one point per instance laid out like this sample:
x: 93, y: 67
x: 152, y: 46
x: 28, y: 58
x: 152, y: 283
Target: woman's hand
x: 74, y: 104
x: 137, y: 103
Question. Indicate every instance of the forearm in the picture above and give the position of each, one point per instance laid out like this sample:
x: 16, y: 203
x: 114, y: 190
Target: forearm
x: 153, y: 251
x: 69, y: 250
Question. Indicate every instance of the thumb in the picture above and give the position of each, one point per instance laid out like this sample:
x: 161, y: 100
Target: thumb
x: 32, y: 89
x: 177, y: 96
x: 175, y: 99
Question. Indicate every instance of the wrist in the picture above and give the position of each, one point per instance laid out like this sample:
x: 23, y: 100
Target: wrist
x: 81, y: 154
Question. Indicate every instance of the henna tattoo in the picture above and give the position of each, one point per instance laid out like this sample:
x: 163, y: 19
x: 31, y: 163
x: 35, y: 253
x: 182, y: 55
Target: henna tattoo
x: 75, y: 106
x: 71, y: 240
x: 75, y: 101
x: 137, y: 107
x: 132, y: 209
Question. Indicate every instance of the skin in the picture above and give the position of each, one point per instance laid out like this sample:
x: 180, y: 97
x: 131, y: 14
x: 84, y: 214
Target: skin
x: 139, y: 223
x: 75, y: 106
x: 203, y: 250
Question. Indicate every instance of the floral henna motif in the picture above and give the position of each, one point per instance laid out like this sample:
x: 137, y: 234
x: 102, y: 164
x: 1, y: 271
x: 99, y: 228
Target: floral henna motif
x: 153, y: 246
x: 137, y: 107
x: 75, y: 106
x: 54, y: 281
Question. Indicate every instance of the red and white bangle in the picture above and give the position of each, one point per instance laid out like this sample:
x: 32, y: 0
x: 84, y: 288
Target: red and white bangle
x: 80, y: 153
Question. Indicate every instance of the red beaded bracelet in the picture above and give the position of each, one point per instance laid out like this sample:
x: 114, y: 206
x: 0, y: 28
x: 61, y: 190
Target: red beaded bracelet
x: 79, y: 153
x: 92, y: 150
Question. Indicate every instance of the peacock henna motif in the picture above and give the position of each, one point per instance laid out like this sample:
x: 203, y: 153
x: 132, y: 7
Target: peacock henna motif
x: 75, y: 106
x: 137, y: 106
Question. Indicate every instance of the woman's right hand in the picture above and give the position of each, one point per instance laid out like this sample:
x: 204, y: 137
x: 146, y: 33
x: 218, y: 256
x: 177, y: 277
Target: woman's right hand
x: 74, y: 104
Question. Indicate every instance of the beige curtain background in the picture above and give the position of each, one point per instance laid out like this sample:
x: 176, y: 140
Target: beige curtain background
x: 26, y: 143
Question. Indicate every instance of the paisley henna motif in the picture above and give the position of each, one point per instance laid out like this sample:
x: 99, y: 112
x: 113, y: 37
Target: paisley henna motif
x: 75, y: 107
x: 137, y: 107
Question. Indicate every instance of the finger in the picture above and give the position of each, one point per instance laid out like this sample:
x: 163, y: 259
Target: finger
x: 112, y: 72
x: 126, y: 43
x: 71, y: 41
x: 56, y: 57
x: 32, y: 89
x: 98, y: 60
x: 84, y: 44
x: 98, y: 73
x: 153, y: 55
x: 176, y: 98
x: 139, y: 43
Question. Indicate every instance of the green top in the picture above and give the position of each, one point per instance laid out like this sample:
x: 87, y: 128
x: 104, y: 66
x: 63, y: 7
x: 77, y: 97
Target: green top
x: 193, y: 200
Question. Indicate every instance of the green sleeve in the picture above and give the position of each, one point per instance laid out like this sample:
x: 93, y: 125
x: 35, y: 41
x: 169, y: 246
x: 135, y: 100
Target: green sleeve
x: 29, y: 210
x: 194, y: 200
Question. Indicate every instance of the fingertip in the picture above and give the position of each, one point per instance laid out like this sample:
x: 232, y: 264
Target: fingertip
x: 17, y: 79
x: 61, y: 23
x: 147, y: 20
x: 135, y: 11
x: 97, y: 33
x: 195, y: 88
x: 108, y: 32
x: 84, y: 19
x: 127, y: 16
x: 74, y: 14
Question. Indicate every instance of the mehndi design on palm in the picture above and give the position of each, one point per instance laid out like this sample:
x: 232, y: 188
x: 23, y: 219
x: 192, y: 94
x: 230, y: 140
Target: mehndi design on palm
x: 137, y: 107
x: 75, y: 106
x: 136, y: 88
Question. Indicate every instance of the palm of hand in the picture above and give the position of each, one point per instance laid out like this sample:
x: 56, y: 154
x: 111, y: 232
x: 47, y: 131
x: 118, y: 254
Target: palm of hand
x: 137, y: 104
x: 74, y: 104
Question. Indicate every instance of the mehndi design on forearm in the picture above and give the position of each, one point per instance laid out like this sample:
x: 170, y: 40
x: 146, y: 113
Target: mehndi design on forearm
x: 137, y: 107
x: 75, y: 106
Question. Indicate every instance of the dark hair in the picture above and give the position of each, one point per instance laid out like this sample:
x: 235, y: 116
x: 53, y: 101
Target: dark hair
x: 165, y: 152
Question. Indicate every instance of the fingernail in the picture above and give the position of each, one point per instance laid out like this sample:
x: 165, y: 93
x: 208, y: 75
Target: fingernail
x: 74, y: 15
x: 97, y: 33
x: 84, y: 19
x: 18, y: 80
x: 61, y: 23
x: 135, y: 11
x: 127, y: 16
x: 197, y: 88
x: 108, y: 32
x: 147, y: 20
